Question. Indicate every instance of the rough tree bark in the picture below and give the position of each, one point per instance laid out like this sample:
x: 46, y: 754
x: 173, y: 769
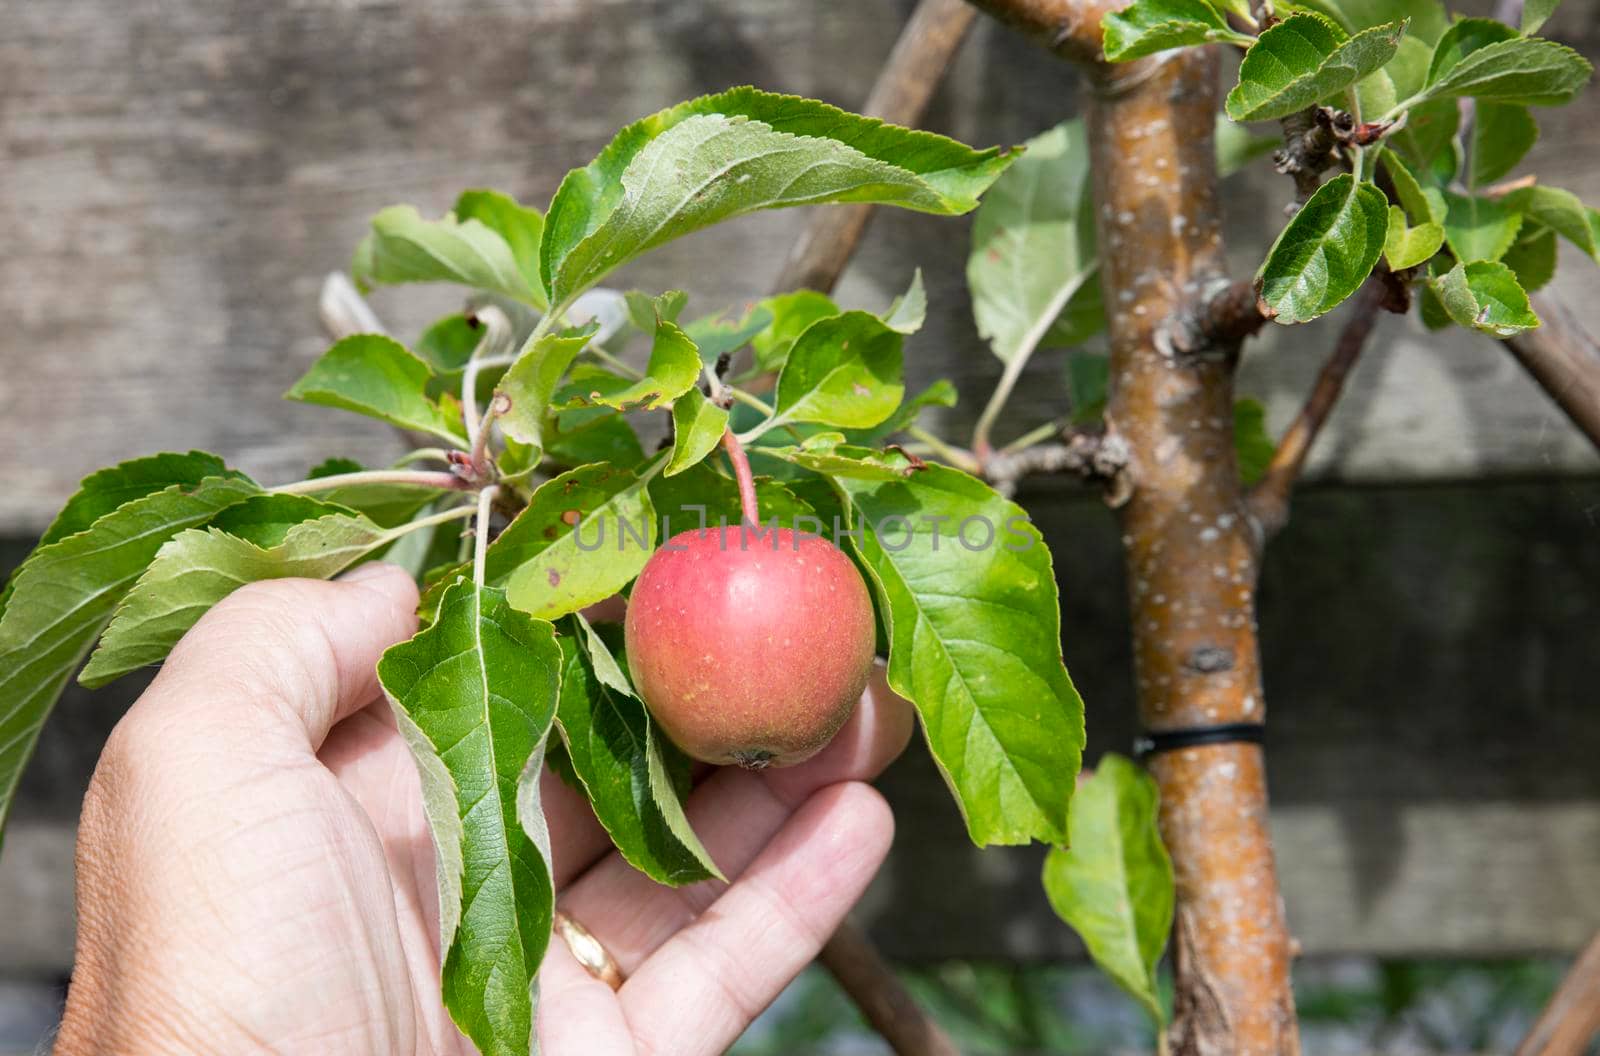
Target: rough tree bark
x: 1190, y: 545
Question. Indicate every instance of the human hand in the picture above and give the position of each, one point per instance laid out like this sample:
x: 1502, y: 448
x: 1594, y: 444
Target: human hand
x: 255, y: 870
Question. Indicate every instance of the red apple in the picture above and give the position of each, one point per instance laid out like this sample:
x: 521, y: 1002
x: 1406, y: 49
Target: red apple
x: 750, y: 648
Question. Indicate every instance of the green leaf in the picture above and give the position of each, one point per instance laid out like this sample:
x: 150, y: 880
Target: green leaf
x: 1114, y: 885
x: 1502, y: 133
x: 403, y: 247
x: 645, y: 311
x: 1535, y: 13
x: 736, y: 152
x: 1149, y: 26
x: 697, y: 428
x: 1406, y: 247
x: 975, y: 644
x: 1427, y: 18
x: 704, y: 497
x: 940, y: 394
x: 1303, y: 60
x: 1423, y: 205
x: 1428, y: 138
x: 1237, y: 146
x: 792, y: 314
x: 907, y: 313
x: 521, y: 226
x: 828, y: 453
x: 106, y: 489
x: 622, y: 763
x: 61, y: 597
x: 447, y: 344
x: 1484, y: 295
x: 582, y: 538
x: 1033, y: 242
x: 843, y: 371
x: 377, y: 376
x: 1561, y: 211
x: 1326, y: 252
x: 1431, y: 310
x: 474, y: 695
x: 529, y: 385
x: 673, y: 369
x: 1375, y: 94
x: 716, y: 336
x: 1533, y: 257
x: 199, y: 567
x: 1486, y: 59
x: 1253, y: 446
x: 591, y: 434
x: 1479, y: 228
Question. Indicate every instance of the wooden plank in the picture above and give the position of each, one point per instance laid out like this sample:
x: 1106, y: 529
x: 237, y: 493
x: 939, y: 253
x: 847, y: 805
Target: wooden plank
x: 1429, y: 656
x: 178, y: 176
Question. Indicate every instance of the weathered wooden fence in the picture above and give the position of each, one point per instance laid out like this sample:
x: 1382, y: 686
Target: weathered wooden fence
x: 176, y: 176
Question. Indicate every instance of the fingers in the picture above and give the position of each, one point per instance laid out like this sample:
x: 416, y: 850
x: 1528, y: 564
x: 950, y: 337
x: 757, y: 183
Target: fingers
x: 699, y: 991
x: 284, y: 658
x: 578, y: 1014
x: 735, y: 813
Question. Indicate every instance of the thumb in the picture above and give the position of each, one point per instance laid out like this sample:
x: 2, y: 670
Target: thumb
x: 286, y: 656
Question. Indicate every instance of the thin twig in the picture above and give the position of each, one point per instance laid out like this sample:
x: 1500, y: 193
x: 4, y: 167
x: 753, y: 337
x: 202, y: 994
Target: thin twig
x: 1572, y: 1018
x: 418, y: 477
x: 496, y: 338
x: 878, y: 993
x: 1089, y: 454
x: 480, y: 529
x: 1269, y: 499
x: 1565, y: 361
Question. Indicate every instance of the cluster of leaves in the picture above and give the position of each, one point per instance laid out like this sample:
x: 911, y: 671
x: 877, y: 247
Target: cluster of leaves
x: 506, y: 658
x: 1422, y: 189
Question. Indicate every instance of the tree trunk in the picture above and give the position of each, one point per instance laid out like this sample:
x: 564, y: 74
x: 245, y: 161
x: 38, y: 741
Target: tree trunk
x: 1190, y: 546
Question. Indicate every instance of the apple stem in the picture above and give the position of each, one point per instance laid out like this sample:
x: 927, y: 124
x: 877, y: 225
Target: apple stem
x: 741, y: 473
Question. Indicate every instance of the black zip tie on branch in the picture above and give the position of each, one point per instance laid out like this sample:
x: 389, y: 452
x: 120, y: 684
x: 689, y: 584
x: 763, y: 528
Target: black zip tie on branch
x: 1148, y: 744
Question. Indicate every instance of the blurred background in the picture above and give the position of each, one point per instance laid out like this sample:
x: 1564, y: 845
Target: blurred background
x: 178, y: 176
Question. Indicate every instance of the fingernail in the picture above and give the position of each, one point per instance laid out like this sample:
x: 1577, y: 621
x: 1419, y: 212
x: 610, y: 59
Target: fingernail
x: 370, y: 570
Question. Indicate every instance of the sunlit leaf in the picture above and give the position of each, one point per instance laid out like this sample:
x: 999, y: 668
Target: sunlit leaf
x: 1114, y: 883
x: 1326, y: 252
x: 1484, y: 295
x: 474, y: 695
x: 1303, y: 60
x: 733, y: 153
x: 403, y: 247
x: 842, y: 371
x: 697, y: 428
x: 60, y: 598
x: 1479, y: 228
x: 377, y: 376
x: 1149, y: 26
x: 624, y: 764
x: 1033, y: 242
x: 966, y: 589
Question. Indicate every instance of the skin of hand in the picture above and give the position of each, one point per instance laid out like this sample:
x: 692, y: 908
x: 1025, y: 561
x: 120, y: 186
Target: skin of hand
x: 255, y: 872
